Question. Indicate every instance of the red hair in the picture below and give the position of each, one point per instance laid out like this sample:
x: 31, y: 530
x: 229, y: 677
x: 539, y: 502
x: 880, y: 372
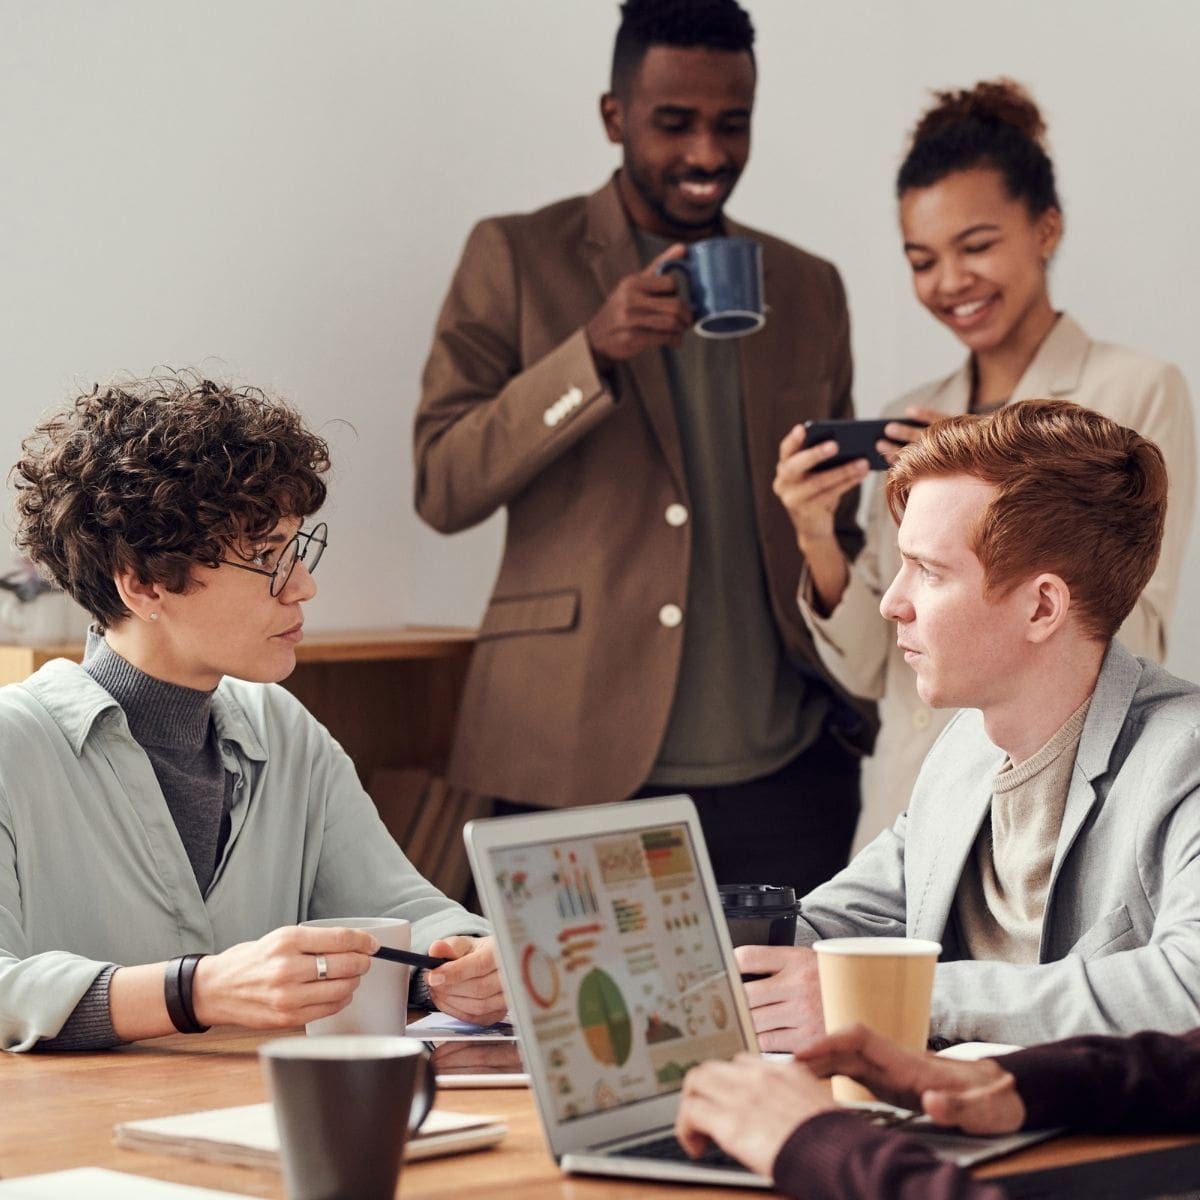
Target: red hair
x: 1076, y: 495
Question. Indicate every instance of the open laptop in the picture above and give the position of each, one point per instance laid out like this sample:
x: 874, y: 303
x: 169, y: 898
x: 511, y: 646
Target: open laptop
x: 621, y: 976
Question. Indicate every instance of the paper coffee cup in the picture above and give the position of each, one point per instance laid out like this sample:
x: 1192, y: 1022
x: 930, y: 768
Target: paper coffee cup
x: 884, y: 983
x: 380, y: 1003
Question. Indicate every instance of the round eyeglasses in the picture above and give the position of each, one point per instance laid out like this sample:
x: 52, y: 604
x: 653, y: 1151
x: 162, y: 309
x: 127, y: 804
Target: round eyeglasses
x: 304, y: 547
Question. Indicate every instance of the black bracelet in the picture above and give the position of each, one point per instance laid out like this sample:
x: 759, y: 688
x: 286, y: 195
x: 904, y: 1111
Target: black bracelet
x: 177, y: 989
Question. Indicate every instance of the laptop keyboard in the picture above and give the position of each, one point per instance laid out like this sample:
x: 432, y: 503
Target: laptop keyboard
x: 667, y: 1149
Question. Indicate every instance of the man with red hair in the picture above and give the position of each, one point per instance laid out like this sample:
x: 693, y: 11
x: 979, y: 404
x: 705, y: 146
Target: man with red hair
x: 1052, y: 841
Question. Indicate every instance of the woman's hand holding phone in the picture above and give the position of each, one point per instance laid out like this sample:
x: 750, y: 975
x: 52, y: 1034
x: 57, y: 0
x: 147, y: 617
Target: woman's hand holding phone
x: 811, y: 497
x: 810, y: 488
x: 900, y: 431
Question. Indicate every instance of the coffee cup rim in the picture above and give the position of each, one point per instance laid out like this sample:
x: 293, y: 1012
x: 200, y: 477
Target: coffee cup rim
x: 358, y: 922
x: 345, y: 1047
x: 878, y: 947
x: 757, y: 319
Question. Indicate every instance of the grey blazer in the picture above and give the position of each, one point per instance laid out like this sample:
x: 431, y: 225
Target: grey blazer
x: 1120, y: 948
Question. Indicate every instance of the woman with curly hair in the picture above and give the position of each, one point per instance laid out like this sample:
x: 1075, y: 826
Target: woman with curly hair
x: 981, y: 220
x: 168, y: 817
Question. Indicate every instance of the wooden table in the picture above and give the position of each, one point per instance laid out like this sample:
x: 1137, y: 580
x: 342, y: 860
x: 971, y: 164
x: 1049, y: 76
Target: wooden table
x: 58, y: 1110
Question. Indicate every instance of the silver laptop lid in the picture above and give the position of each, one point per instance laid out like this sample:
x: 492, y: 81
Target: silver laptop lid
x: 616, y: 957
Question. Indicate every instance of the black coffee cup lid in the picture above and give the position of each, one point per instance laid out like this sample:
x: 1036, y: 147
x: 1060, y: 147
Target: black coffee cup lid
x: 765, y: 896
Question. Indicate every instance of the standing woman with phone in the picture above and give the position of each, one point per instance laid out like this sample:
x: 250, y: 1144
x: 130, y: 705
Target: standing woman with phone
x: 981, y: 220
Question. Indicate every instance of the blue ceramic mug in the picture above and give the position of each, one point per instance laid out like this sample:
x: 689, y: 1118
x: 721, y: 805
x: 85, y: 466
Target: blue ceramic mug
x: 724, y: 285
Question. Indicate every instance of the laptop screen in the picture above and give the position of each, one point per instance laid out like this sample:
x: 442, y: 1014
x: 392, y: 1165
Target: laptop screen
x: 619, y: 964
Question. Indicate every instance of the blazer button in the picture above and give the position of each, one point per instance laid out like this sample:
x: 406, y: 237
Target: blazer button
x: 670, y: 615
x: 676, y: 515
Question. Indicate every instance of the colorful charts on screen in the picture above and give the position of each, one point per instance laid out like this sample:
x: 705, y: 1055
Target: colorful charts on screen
x: 540, y: 977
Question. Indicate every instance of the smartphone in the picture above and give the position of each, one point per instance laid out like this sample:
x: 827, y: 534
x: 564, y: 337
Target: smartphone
x: 855, y: 439
x: 474, y: 1062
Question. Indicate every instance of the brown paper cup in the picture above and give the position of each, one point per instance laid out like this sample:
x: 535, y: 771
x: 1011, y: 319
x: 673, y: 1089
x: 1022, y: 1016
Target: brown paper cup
x: 884, y: 983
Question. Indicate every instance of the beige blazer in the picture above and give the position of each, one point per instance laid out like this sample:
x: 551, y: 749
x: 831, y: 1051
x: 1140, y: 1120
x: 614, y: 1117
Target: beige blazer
x: 572, y: 680
x: 859, y: 647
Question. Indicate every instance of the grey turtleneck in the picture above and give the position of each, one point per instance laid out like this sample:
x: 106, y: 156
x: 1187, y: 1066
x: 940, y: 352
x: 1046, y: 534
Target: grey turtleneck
x: 174, y: 726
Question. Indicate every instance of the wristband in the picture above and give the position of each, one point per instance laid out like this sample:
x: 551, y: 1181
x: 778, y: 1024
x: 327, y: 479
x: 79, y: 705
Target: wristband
x: 177, y: 990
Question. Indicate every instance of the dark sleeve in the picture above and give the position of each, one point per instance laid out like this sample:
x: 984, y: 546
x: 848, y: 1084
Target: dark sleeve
x: 89, y: 1027
x: 1146, y: 1083
x: 838, y: 1156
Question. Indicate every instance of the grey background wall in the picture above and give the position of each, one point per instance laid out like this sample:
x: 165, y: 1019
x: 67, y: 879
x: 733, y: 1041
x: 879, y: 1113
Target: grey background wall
x: 279, y: 190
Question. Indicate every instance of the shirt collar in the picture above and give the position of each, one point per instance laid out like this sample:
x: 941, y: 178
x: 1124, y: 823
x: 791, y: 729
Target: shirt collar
x: 77, y: 703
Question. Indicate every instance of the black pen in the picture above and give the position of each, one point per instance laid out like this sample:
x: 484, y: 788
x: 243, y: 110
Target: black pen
x: 410, y: 958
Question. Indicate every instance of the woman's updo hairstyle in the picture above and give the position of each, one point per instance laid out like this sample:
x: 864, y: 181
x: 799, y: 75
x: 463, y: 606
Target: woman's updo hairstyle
x: 996, y: 124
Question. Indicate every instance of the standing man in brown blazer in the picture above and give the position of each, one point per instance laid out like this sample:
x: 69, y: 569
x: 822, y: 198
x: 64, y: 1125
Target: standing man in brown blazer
x: 643, y: 634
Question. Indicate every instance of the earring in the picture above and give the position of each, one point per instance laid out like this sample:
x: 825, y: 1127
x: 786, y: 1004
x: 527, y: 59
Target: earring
x: 154, y: 616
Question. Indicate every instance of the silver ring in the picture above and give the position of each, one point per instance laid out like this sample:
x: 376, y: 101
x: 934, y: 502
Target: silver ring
x: 322, y: 966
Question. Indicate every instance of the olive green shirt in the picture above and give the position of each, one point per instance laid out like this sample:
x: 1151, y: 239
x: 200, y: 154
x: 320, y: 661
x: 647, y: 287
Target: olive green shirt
x: 741, y: 710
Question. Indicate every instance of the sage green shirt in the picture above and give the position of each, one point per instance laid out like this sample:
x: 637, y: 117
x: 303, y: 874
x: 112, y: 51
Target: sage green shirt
x: 93, y: 871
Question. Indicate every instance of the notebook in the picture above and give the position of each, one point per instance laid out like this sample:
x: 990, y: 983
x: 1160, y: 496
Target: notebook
x: 621, y: 977
x: 246, y: 1135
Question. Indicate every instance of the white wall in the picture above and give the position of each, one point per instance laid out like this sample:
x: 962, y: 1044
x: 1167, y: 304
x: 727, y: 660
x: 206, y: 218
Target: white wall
x: 279, y: 190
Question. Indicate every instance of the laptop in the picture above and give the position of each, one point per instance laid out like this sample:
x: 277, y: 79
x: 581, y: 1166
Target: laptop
x: 621, y: 976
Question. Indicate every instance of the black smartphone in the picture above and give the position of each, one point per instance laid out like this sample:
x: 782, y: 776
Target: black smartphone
x: 855, y: 439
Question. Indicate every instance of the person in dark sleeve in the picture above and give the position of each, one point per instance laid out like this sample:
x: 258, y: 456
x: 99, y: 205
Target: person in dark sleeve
x: 778, y: 1117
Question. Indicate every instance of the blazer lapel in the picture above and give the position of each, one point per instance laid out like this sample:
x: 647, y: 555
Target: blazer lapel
x: 613, y: 254
x: 1114, y: 693
x: 938, y: 878
x: 1058, y: 363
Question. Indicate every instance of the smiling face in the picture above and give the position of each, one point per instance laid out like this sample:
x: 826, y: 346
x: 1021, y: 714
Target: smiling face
x: 685, y: 129
x: 967, y: 651
x: 978, y: 259
x: 228, y: 623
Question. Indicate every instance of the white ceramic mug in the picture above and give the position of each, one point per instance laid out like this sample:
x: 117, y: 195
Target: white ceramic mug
x: 380, y: 1004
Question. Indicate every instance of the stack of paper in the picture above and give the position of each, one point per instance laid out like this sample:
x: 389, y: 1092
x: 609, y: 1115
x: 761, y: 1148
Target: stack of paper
x: 246, y: 1135
x: 98, y: 1184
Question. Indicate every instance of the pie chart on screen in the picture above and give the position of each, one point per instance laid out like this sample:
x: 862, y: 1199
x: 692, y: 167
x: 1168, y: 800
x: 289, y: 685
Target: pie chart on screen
x: 604, y: 1019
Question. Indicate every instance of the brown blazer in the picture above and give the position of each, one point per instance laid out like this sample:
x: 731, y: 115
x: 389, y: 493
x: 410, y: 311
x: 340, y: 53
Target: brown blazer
x: 572, y: 681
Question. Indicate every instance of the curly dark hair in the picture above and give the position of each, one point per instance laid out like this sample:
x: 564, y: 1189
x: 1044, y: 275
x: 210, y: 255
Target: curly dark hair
x: 712, y: 24
x: 995, y: 124
x: 157, y: 475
